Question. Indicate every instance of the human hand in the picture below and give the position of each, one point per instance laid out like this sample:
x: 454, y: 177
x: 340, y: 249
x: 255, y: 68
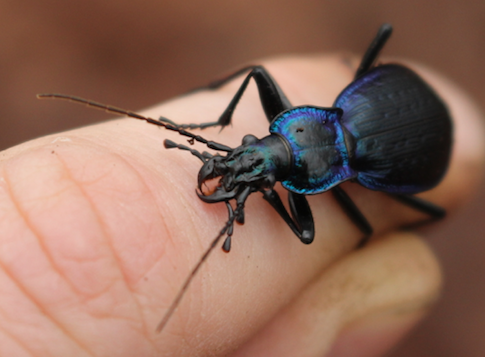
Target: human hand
x: 101, y: 225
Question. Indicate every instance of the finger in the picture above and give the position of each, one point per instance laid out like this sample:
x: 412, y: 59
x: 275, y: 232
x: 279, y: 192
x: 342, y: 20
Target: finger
x: 361, y: 304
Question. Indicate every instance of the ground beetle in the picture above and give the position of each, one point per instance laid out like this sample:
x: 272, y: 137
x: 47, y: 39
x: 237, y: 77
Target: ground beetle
x: 387, y: 130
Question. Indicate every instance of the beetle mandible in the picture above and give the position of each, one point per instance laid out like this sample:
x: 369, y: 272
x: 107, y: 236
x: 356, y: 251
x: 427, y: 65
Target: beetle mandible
x: 387, y: 131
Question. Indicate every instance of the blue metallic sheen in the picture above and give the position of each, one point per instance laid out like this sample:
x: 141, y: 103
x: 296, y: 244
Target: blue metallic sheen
x: 316, y: 140
x: 401, y: 130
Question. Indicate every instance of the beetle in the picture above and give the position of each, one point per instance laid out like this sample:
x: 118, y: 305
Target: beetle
x: 387, y: 131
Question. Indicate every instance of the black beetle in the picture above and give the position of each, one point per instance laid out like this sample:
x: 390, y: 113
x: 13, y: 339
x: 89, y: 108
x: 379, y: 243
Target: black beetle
x: 387, y: 131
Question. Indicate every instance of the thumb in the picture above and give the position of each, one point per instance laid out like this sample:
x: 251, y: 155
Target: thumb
x: 359, y: 307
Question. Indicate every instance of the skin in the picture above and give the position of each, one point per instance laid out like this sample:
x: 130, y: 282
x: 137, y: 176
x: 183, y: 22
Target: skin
x: 101, y: 225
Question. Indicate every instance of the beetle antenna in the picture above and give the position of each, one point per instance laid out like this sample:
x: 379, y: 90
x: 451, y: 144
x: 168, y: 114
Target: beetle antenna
x: 241, y: 200
x: 128, y: 113
x: 194, y: 271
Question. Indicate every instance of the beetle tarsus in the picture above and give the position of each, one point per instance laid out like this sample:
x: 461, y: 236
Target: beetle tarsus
x: 226, y: 247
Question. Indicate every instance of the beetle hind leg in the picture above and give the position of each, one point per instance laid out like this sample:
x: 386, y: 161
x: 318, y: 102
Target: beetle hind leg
x: 374, y: 49
x: 434, y: 212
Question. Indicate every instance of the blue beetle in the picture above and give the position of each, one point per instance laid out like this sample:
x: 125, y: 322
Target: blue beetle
x: 387, y: 130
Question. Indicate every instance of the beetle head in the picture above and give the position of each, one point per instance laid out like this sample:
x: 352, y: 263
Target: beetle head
x: 250, y: 164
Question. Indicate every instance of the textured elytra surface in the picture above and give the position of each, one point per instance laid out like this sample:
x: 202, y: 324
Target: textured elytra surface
x: 402, y: 130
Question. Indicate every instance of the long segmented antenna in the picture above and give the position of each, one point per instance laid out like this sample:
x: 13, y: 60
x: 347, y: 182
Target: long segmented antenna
x: 240, y: 206
x: 111, y: 109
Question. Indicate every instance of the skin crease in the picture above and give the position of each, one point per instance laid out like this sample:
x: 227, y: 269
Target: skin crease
x: 101, y: 225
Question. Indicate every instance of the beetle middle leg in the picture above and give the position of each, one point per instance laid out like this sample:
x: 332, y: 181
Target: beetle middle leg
x: 273, y: 100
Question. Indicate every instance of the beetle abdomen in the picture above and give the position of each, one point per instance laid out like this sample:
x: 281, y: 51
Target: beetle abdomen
x: 402, y: 130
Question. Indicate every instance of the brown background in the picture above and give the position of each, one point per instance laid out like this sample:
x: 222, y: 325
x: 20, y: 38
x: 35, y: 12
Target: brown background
x: 134, y: 54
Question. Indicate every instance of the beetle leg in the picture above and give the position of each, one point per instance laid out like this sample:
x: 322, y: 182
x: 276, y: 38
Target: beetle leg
x: 272, y: 97
x: 302, y: 222
x: 354, y: 214
x: 275, y: 201
x: 374, y: 49
x: 434, y: 211
x: 222, y: 81
x: 301, y: 212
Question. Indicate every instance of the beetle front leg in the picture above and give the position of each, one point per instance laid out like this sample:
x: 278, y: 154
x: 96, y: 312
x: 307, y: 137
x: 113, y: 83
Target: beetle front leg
x: 226, y: 247
x: 354, y: 214
x: 302, y: 221
x: 301, y: 212
x: 273, y: 99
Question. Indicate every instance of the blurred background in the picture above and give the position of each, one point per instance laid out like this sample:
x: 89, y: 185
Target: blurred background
x: 135, y: 54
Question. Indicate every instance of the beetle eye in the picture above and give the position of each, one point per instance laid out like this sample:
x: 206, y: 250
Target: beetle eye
x: 249, y: 139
